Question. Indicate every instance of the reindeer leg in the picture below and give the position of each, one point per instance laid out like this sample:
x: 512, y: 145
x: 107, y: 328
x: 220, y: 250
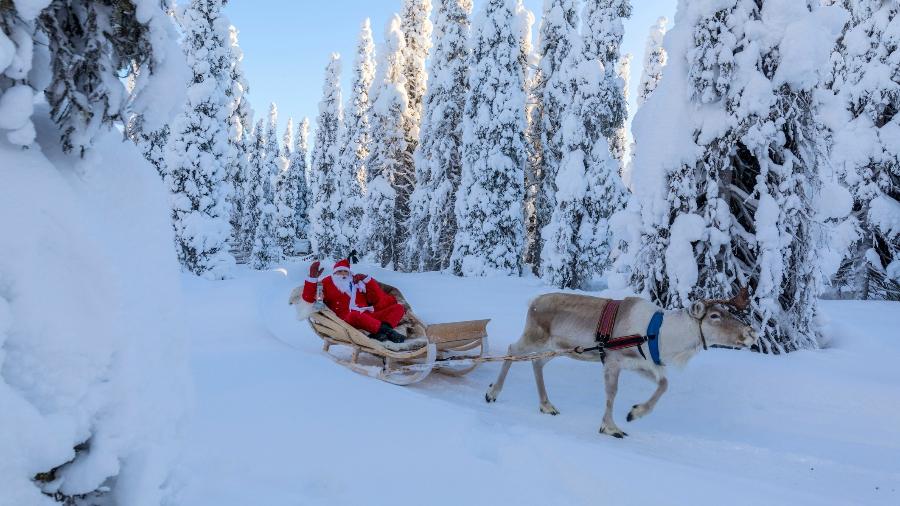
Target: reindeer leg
x: 546, y: 406
x: 497, y: 386
x: 639, y: 410
x: 611, y: 378
x: 525, y: 344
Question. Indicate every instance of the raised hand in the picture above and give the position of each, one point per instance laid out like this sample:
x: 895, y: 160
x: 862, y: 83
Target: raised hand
x: 314, y: 270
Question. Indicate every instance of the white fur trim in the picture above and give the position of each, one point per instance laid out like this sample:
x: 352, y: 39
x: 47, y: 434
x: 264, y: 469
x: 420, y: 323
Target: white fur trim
x: 342, y: 268
x: 312, y: 280
x: 354, y: 307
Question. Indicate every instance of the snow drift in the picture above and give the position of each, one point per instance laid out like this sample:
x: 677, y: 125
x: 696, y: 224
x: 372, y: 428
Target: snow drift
x: 91, y: 354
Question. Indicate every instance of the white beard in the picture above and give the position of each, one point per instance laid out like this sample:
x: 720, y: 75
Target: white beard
x: 344, y: 285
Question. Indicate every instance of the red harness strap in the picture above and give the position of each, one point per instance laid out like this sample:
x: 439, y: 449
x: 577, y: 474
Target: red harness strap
x: 605, y: 329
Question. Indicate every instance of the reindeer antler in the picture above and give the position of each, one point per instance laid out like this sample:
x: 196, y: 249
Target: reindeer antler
x: 741, y: 301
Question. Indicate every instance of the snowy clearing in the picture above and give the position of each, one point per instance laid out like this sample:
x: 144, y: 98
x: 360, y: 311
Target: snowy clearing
x: 277, y: 422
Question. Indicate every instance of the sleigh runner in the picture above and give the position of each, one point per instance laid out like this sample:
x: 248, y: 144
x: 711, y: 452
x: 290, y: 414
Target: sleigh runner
x: 441, y: 347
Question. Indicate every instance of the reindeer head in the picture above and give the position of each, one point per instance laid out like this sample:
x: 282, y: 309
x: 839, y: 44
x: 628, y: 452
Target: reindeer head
x: 719, y: 326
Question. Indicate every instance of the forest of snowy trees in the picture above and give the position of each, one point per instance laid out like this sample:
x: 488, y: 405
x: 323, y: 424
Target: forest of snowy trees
x: 765, y: 148
x: 765, y: 152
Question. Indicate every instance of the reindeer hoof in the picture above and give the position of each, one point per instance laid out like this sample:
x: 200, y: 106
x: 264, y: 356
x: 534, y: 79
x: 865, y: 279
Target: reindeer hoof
x: 618, y: 434
x: 488, y: 398
x: 549, y: 409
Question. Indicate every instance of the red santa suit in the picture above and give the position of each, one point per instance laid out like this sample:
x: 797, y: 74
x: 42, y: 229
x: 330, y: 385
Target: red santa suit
x: 362, y: 303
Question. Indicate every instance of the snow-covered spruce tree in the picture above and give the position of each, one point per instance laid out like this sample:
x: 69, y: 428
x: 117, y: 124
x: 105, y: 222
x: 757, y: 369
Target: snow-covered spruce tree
x: 533, y: 167
x: 256, y: 163
x: 588, y: 187
x: 198, y: 149
x: 241, y: 122
x: 733, y: 204
x: 602, y: 32
x: 266, y: 249
x: 327, y: 233
x: 152, y: 143
x: 390, y: 155
x: 866, y: 148
x: 603, y: 29
x: 618, y: 142
x: 286, y: 194
x: 438, y: 158
x: 558, y: 37
x: 489, y: 204
x: 298, y: 169
x: 416, y: 29
x: 654, y: 60
x: 87, y: 43
x: 356, y: 132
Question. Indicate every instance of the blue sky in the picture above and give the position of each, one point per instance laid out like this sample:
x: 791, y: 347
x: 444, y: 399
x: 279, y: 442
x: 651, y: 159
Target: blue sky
x: 287, y: 43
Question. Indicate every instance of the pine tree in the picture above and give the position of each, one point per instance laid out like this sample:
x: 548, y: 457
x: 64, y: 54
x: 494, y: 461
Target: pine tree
x: 490, y: 234
x: 241, y: 121
x: 256, y: 163
x: 327, y: 236
x: 558, y: 38
x: 866, y: 147
x: 298, y: 169
x: 390, y: 156
x: 438, y: 158
x: 654, y: 60
x: 417, y: 42
x: 603, y: 29
x: 588, y: 187
x: 152, y: 143
x: 735, y: 206
x: 286, y: 194
x: 266, y: 246
x: 533, y: 167
x: 90, y: 46
x: 266, y: 249
x: 198, y: 150
x: 618, y: 142
x: 356, y: 134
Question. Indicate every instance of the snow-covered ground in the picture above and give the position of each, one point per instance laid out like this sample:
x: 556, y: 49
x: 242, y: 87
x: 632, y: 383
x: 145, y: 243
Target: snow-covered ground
x: 276, y: 422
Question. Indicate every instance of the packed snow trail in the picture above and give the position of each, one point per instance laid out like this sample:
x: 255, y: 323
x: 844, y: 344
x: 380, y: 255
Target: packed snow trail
x: 276, y: 422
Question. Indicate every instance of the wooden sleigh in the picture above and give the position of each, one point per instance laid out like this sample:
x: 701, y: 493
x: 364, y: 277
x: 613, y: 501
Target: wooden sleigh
x: 442, y: 347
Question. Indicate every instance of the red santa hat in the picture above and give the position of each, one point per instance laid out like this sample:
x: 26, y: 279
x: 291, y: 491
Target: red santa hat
x: 342, y: 265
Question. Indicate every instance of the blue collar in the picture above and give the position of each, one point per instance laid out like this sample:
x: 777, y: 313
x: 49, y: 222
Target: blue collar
x: 653, y: 336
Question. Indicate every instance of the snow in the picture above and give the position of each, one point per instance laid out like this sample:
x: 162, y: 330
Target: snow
x: 277, y: 422
x: 16, y: 107
x: 681, y: 265
x: 884, y: 213
x: 7, y: 51
x: 91, y: 347
x: 807, y: 43
x: 29, y: 9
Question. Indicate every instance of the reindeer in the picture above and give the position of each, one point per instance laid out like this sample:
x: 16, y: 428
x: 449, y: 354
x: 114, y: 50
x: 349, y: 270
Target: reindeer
x: 563, y: 321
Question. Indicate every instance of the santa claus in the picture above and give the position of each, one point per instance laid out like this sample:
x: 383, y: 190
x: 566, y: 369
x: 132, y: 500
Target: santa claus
x: 356, y: 299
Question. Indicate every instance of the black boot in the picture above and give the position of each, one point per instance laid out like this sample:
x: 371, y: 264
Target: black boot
x: 390, y: 334
x: 378, y: 336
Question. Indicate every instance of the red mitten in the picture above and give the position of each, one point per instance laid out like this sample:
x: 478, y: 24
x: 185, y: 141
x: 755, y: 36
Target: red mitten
x: 314, y: 270
x: 359, y: 277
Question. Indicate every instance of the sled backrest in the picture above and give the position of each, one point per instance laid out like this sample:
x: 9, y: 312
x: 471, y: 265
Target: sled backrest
x: 457, y: 331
